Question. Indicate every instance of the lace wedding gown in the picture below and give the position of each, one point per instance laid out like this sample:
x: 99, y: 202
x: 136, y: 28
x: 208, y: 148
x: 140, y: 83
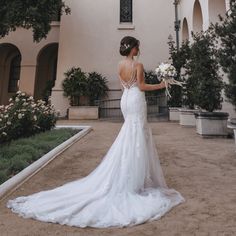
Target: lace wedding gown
x: 127, y: 188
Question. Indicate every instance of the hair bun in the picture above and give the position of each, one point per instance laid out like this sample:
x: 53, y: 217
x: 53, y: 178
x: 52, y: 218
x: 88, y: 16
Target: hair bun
x: 126, y: 44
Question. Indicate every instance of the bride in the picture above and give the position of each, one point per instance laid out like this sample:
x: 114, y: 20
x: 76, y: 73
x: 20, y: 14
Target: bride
x: 128, y: 187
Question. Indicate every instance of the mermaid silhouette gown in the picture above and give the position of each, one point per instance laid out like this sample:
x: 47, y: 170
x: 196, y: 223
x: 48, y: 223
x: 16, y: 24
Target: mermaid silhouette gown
x: 127, y: 187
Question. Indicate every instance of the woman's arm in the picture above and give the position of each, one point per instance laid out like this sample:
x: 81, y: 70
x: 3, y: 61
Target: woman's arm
x: 141, y: 82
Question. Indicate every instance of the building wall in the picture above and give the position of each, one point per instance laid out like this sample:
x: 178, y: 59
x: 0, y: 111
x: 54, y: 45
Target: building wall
x: 90, y: 38
x: 23, y: 41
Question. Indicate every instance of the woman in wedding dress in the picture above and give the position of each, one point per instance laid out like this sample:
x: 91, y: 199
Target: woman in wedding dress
x: 128, y: 187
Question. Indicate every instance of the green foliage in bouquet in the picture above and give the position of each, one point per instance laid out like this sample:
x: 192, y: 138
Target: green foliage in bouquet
x: 225, y: 30
x: 179, y: 59
x: 97, y: 87
x: 35, y: 14
x: 204, y: 84
x: 23, y: 117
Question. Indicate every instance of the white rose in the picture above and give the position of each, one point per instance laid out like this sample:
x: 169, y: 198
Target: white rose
x: 8, y: 122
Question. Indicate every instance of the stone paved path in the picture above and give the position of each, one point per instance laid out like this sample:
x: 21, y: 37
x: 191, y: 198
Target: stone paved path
x: 203, y: 170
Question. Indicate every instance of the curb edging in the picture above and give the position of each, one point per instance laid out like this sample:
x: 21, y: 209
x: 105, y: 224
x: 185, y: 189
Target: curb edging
x: 14, y: 182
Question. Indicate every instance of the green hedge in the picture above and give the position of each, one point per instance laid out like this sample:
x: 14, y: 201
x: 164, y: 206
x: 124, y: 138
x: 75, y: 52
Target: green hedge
x: 18, y: 154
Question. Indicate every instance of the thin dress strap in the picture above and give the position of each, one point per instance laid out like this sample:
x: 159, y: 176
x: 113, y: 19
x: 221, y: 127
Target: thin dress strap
x: 130, y: 82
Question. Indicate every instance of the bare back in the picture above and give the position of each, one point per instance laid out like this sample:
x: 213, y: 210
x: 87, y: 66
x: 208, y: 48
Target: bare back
x: 127, y: 73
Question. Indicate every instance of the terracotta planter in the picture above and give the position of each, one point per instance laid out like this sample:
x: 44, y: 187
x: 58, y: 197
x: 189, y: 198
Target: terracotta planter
x: 174, y: 113
x: 212, y: 123
x: 83, y: 113
x: 186, y: 117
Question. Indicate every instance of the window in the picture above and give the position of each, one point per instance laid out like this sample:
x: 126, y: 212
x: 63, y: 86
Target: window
x: 126, y: 11
x: 14, y: 74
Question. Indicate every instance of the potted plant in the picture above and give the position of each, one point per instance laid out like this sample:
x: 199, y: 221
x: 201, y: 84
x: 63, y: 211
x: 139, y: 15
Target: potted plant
x: 225, y: 33
x: 207, y: 86
x: 83, y: 89
x: 179, y: 58
x: 97, y: 87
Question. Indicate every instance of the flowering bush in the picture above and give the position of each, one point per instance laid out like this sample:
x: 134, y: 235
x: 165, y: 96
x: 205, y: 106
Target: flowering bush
x: 24, y: 117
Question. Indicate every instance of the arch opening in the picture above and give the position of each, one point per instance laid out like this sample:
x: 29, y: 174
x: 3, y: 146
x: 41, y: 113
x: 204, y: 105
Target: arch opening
x: 185, y: 30
x: 46, y: 71
x: 197, y: 17
x: 10, y: 67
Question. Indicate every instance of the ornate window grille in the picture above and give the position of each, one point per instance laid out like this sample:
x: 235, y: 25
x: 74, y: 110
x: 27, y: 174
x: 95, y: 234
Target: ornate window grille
x: 126, y: 11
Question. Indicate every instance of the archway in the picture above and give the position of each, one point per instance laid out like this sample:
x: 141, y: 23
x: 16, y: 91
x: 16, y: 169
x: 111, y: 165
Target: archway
x: 46, y: 71
x: 10, y: 66
x: 216, y: 7
x: 185, y: 31
x: 197, y: 17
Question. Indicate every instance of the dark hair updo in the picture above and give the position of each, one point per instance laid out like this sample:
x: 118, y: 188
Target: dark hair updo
x: 126, y: 45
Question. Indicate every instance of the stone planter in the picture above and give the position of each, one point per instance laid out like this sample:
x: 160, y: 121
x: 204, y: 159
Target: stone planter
x: 174, y: 113
x: 212, y: 123
x: 232, y: 125
x: 83, y: 113
x: 187, y: 118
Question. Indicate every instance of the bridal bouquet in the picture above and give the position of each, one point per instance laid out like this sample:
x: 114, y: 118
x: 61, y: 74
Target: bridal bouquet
x: 167, y: 72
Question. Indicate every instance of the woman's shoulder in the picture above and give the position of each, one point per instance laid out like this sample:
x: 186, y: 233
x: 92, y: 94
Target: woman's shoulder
x: 139, y: 65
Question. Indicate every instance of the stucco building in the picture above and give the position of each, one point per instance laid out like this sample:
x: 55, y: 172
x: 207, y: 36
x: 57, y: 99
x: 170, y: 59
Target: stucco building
x: 89, y: 38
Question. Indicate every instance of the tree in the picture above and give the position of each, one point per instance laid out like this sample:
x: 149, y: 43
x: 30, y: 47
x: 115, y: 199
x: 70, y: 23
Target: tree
x: 179, y: 59
x: 35, y: 14
x: 226, y: 31
x: 204, y: 84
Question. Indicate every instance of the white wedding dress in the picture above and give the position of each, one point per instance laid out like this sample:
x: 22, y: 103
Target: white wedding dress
x: 127, y: 188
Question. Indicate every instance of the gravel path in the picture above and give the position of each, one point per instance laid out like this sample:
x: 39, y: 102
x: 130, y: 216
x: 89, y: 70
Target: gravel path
x: 202, y: 170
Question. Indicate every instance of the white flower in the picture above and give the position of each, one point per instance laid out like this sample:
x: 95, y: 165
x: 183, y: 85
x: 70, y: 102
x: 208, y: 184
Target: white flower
x: 20, y: 116
x: 18, y: 92
x: 8, y: 122
x: 17, y: 99
x: 23, y: 94
x: 4, y: 133
x: 35, y: 117
x: 6, y: 116
x: 0, y: 120
x: 10, y: 99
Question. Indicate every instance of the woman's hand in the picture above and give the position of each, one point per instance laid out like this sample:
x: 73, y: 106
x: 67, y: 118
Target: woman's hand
x: 162, y: 84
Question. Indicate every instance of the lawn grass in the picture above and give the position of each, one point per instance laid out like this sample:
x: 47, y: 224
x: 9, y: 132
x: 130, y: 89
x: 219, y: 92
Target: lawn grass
x: 20, y: 153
